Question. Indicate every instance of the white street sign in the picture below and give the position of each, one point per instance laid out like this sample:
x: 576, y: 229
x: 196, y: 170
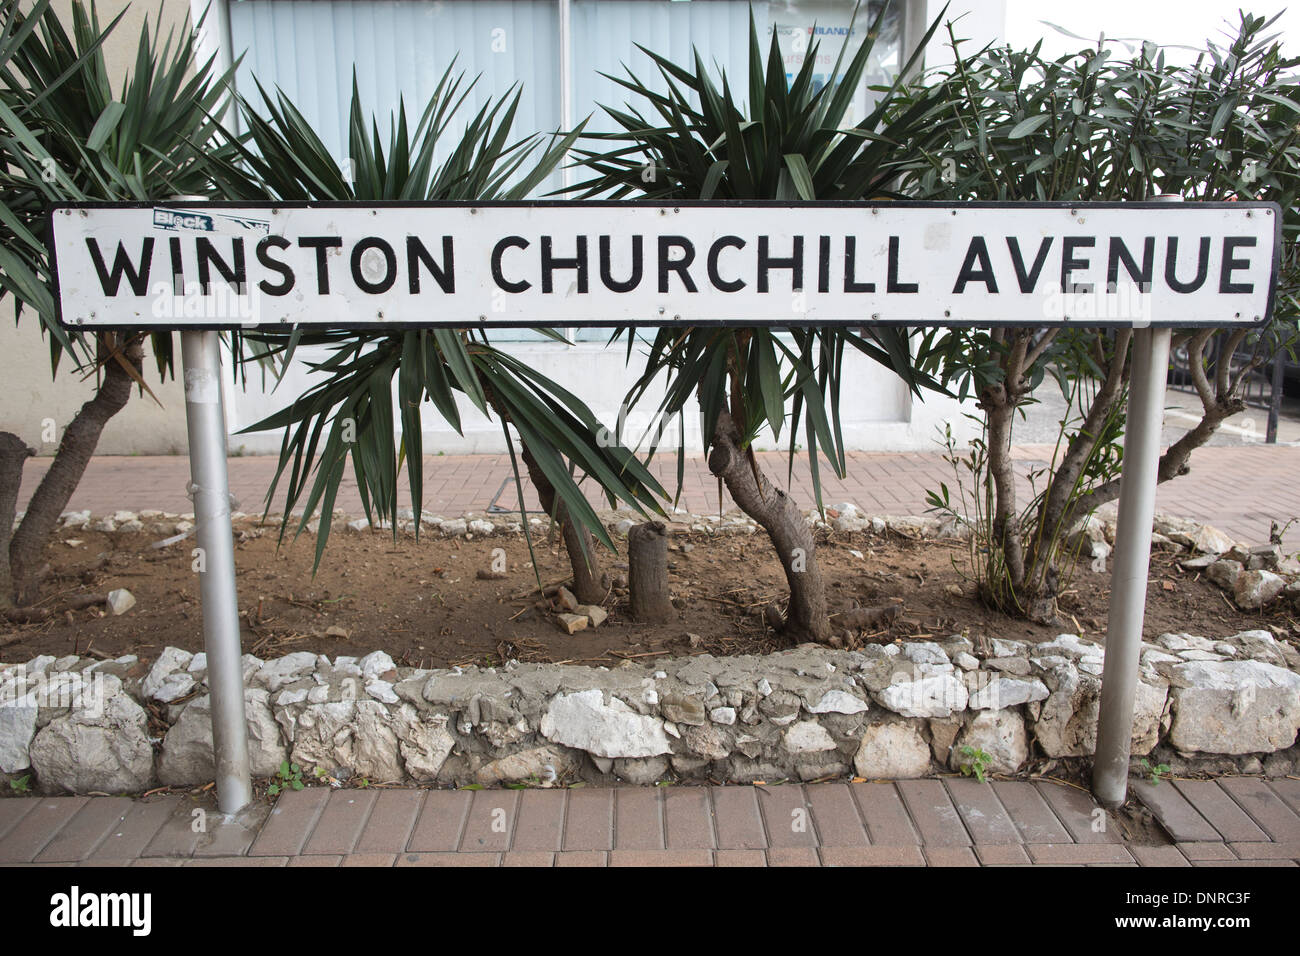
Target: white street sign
x: 224, y: 265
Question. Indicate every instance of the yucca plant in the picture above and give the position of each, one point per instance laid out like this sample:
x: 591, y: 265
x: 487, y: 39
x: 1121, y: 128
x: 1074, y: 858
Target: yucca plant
x: 285, y: 159
x: 787, y: 141
x: 1092, y: 126
x: 69, y: 136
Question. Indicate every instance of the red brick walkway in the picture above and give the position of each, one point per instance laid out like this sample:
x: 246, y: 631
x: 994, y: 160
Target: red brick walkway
x: 1237, y: 488
x: 1241, y: 821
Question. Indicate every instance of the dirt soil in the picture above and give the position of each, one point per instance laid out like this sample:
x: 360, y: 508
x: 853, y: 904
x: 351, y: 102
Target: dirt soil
x: 423, y: 602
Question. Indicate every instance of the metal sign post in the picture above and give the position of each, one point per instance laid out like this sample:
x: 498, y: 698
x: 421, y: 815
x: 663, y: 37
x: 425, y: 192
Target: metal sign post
x: 215, y: 562
x: 1128, y: 582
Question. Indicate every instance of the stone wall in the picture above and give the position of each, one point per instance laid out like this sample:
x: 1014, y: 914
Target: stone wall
x: 898, y: 710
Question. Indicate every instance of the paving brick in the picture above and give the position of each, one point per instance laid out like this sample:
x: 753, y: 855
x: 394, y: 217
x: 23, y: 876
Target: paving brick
x: 1079, y: 812
x: 1158, y: 856
x: 464, y: 858
x: 138, y: 826
x: 661, y: 858
x: 793, y: 856
x: 491, y: 820
x: 391, y: 821
x: 1247, y: 863
x: 316, y: 861
x: 935, y: 817
x: 541, y: 821
x: 1222, y: 812
x: 12, y: 811
x: 1179, y: 818
x: 341, y: 821
x: 836, y: 815
x: 582, y: 858
x: 737, y: 818
x: 1288, y: 790
x: 290, y: 823
x: 224, y: 861
x: 530, y: 858
x: 370, y: 859
x: 1264, y: 806
x: 950, y: 856
x: 1206, y: 851
x: 589, y: 823
x: 884, y: 814
x: 980, y: 809
x: 441, y: 821
x: 688, y: 818
x: 872, y: 856
x: 1075, y: 854
x: 638, y: 819
x: 1267, y: 851
x: 1002, y: 854
x: 230, y: 836
x: 740, y: 858
x: 38, y: 827
x: 786, y: 816
x: 159, y: 861
x: 82, y: 834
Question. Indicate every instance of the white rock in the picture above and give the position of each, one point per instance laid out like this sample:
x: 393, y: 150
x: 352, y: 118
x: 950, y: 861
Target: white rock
x: 967, y: 662
x: 538, y: 765
x: 838, y: 702
x: 359, y: 734
x: 17, y: 728
x: 382, y: 690
x: 1000, y: 734
x: 120, y: 600
x: 924, y: 652
x: 1254, y: 589
x: 1002, y: 692
x: 807, y: 736
x: 1234, y: 707
x: 173, y: 687
x: 584, y: 721
x: 187, y: 748
x: 285, y: 670
x: 480, y: 527
x: 453, y: 528
x: 894, y: 750
x: 425, y: 745
x: 938, y: 695
x: 1065, y: 724
x: 171, y: 660
x: 103, y: 748
x: 723, y: 715
x: 375, y: 664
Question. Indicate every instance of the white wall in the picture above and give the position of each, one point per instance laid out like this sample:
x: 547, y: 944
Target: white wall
x: 877, y: 412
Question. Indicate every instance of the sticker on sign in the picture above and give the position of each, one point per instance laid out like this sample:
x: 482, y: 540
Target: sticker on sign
x: 567, y: 264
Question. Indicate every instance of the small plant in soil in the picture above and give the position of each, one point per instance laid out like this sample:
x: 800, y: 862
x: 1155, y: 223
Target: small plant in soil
x: 21, y: 784
x: 976, y: 763
x: 289, y: 775
x: 1154, y: 773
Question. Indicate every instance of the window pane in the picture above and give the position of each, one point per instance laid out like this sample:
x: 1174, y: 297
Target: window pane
x: 399, y: 49
x: 605, y: 34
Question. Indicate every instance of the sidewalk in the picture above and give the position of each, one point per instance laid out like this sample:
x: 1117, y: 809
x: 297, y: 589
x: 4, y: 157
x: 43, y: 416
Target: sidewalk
x: 1240, y: 821
x: 1237, y: 488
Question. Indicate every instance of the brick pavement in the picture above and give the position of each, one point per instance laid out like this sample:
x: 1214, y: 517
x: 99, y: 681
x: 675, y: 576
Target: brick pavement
x: 1236, y: 821
x: 1240, y: 489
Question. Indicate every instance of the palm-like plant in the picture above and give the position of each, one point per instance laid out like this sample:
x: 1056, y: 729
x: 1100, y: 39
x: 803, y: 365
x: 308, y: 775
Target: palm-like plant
x: 787, y: 142
x: 67, y: 136
x: 288, y: 161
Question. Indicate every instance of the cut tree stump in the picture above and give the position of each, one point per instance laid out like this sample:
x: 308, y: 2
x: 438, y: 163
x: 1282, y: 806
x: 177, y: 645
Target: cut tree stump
x: 647, y: 558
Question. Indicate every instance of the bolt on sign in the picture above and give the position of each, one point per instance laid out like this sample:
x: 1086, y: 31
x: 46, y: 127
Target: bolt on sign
x: 227, y: 265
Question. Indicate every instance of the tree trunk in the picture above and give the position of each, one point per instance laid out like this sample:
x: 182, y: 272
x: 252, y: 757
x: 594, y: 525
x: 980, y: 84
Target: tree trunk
x: 1001, y: 412
x: 80, y: 438
x: 647, y: 577
x: 13, y: 455
x: 785, y: 525
x: 578, y: 541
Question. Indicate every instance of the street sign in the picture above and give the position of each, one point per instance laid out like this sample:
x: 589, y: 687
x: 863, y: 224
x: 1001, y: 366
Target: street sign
x: 568, y: 264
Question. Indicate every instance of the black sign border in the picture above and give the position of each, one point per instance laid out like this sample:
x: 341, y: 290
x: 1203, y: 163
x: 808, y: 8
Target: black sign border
x: 200, y: 204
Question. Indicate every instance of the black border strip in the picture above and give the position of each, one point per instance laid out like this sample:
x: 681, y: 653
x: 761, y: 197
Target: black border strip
x: 659, y: 204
